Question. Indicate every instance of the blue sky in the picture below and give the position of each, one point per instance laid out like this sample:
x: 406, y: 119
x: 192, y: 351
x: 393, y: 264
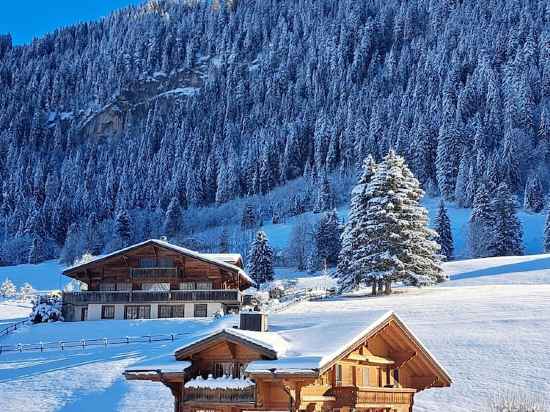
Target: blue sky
x: 34, y: 18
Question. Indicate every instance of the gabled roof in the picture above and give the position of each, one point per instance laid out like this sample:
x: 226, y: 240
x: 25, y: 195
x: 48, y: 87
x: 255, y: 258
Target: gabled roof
x: 215, y: 259
x: 268, y: 344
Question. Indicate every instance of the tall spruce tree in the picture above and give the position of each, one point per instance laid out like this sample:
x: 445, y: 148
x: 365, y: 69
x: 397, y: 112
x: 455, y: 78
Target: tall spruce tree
x: 392, y: 240
x: 248, y: 220
x: 260, y: 260
x: 533, y: 199
x: 173, y: 220
x: 443, y: 229
x: 123, y: 229
x: 346, y: 276
x: 325, y: 196
x: 327, y: 238
x: 480, y: 223
x: 506, y: 235
x: 547, y: 233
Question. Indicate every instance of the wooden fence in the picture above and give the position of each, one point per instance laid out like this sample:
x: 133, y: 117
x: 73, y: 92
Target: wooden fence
x: 12, y: 327
x: 85, y: 343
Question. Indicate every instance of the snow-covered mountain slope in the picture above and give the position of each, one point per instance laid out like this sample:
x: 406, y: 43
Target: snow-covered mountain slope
x: 489, y: 326
x: 43, y: 276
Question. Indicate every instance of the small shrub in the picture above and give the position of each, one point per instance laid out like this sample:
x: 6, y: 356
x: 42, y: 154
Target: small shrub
x: 47, y: 309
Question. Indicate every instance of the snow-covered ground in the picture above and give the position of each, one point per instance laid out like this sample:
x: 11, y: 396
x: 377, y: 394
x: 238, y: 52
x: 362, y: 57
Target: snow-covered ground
x: 43, y: 276
x: 12, y: 311
x: 489, y: 326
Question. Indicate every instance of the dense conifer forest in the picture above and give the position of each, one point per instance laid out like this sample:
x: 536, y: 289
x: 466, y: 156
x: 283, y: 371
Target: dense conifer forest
x: 109, y: 128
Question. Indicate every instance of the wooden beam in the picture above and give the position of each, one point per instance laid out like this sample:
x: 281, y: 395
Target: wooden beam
x: 401, y: 358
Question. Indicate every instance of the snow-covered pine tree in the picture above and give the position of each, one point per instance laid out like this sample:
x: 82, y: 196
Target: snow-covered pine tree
x: 173, y: 219
x: 533, y: 199
x: 443, y: 229
x: 248, y: 220
x: 327, y: 238
x: 7, y: 289
x: 393, y: 241
x: 37, y: 252
x: 93, y: 235
x: 326, y: 199
x: 224, y: 241
x: 547, y: 233
x: 358, y: 206
x: 506, y: 234
x: 260, y: 260
x: 480, y: 223
x: 26, y: 291
x: 123, y: 229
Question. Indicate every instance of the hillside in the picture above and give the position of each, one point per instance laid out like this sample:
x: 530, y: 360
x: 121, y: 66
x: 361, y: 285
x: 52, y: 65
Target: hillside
x: 204, y: 102
x: 493, y: 312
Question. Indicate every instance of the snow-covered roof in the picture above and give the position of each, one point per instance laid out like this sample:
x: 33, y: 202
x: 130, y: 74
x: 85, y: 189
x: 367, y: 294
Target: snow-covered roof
x: 162, y: 364
x: 232, y: 258
x: 215, y: 259
x: 312, y: 345
x: 270, y: 341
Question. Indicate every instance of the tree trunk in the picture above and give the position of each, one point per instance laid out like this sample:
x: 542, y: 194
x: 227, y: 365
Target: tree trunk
x: 374, y: 288
x: 380, y: 286
x: 388, y: 287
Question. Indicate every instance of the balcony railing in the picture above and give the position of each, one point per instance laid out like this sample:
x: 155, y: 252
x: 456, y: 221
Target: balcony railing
x: 219, y: 295
x: 229, y: 396
x: 154, y: 273
x: 351, y: 396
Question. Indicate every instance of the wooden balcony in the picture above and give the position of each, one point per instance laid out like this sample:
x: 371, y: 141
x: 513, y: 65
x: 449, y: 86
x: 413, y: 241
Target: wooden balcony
x: 153, y: 273
x: 220, y: 295
x: 371, y: 397
x: 224, y: 396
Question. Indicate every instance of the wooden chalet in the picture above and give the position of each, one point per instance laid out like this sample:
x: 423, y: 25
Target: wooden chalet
x: 376, y: 365
x: 156, y: 279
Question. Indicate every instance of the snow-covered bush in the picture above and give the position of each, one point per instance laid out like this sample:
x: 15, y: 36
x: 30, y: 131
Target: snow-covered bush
x: 26, y: 292
x: 517, y: 402
x: 219, y: 314
x: 47, y: 308
x: 7, y: 289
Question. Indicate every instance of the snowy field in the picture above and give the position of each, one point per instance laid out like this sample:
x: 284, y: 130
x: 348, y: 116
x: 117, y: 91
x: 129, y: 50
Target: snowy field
x: 489, y: 327
x: 44, y: 276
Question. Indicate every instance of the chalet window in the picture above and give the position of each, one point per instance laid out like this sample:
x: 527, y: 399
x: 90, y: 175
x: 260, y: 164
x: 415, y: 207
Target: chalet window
x: 137, y: 312
x: 107, y: 312
x: 338, y: 373
x: 107, y: 287
x: 155, y: 287
x: 124, y: 286
x: 84, y: 314
x: 223, y: 369
x: 147, y: 262
x: 201, y: 310
x: 204, y: 285
x: 166, y: 262
x: 187, y: 286
x: 171, y: 311
x: 365, y: 371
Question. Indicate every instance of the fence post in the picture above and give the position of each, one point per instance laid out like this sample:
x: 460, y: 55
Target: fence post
x: 41, y: 347
x: 83, y: 342
x: 105, y: 341
x: 149, y: 338
x: 172, y: 335
x: 20, y: 347
x: 62, y: 345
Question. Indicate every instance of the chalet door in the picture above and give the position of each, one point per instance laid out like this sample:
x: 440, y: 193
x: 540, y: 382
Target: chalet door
x: 84, y: 314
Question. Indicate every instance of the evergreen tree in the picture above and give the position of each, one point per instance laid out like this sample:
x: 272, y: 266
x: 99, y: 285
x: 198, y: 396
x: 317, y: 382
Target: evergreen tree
x: 534, y: 195
x: 443, y: 229
x: 480, y: 223
x: 248, y: 220
x: 325, y: 197
x: 347, y: 278
x: 547, y: 233
x: 260, y: 260
x: 93, y: 235
x: 7, y: 289
x: 173, y: 220
x: 224, y: 241
x: 123, y: 229
x: 506, y: 230
x: 327, y: 238
x: 37, y: 252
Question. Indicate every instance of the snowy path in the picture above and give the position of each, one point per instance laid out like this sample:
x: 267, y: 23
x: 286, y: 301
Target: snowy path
x: 490, y: 327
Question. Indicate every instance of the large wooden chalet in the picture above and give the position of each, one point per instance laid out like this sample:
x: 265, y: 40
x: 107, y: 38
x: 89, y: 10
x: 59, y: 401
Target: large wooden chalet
x: 372, y: 365
x: 156, y: 279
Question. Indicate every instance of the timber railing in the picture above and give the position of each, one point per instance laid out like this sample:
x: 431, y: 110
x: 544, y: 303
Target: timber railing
x: 217, y: 395
x: 154, y: 273
x: 351, y: 395
x: 86, y: 343
x: 12, y: 327
x: 214, y: 295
